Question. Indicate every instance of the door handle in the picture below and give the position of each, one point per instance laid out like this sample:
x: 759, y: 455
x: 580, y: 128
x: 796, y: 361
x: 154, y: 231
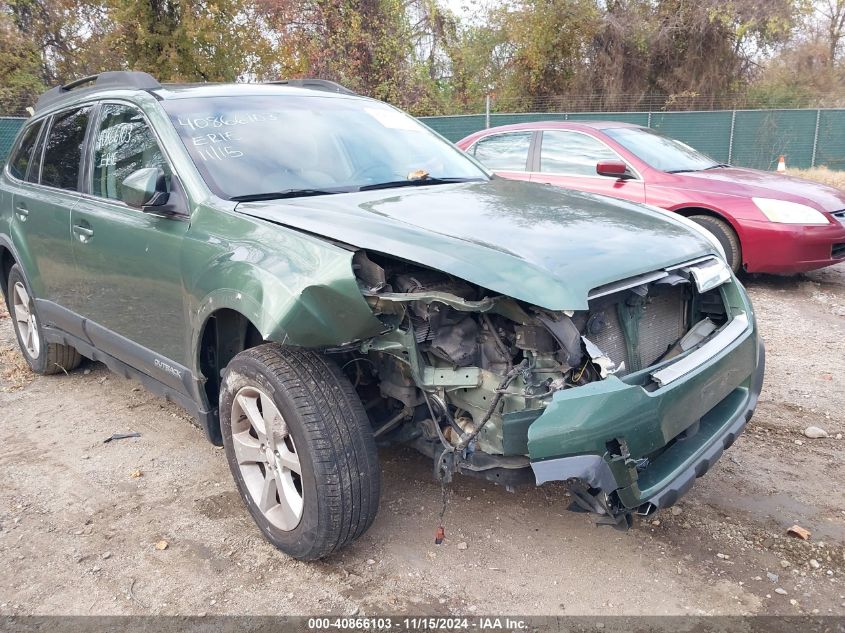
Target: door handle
x: 21, y: 211
x: 83, y: 232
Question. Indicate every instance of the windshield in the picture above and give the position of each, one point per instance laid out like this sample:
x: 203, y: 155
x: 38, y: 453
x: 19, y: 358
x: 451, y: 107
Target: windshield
x: 255, y: 147
x: 659, y: 151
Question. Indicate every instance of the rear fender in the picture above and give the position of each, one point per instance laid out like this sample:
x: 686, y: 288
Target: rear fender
x: 22, y: 257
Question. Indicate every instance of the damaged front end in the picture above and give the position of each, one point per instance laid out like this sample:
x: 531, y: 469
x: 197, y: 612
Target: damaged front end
x: 626, y: 401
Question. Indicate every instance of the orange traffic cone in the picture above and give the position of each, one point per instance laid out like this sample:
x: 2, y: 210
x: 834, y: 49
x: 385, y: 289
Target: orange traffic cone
x: 781, y: 164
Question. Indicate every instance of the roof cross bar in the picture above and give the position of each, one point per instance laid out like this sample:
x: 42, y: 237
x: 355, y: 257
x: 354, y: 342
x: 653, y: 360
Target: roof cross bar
x: 110, y: 79
x: 314, y: 84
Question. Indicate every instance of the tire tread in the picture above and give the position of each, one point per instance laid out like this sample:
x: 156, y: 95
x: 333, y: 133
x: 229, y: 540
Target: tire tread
x: 343, y: 449
x: 717, y: 227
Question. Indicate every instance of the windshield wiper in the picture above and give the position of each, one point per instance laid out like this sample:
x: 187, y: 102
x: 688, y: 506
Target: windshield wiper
x: 287, y: 193
x: 417, y: 182
x: 686, y: 171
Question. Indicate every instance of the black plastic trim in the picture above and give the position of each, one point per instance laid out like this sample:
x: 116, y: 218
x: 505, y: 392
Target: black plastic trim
x: 173, y: 381
x: 103, y: 81
x: 314, y: 84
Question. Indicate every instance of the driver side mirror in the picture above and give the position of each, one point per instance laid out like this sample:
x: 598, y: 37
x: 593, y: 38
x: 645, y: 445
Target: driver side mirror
x: 613, y: 169
x: 145, y: 187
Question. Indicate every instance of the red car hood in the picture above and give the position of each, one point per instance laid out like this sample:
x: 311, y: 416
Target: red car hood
x: 765, y: 184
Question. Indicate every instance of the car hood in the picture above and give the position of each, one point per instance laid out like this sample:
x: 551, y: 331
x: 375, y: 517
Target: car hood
x: 536, y: 243
x: 766, y: 184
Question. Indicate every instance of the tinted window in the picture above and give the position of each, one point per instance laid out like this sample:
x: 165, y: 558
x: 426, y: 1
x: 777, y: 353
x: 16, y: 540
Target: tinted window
x: 659, y: 151
x: 261, y: 145
x: 572, y: 153
x: 64, y: 149
x: 38, y: 155
x: 22, y: 158
x: 124, y: 144
x: 506, y: 152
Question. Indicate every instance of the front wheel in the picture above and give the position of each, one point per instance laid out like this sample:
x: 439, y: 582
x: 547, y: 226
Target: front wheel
x: 300, y: 448
x: 726, y: 236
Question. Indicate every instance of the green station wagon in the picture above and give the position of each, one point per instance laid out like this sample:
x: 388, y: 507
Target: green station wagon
x: 313, y: 274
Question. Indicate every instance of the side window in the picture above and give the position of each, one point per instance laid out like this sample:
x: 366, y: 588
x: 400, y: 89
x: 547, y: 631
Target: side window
x: 63, y: 152
x: 38, y: 155
x: 22, y: 158
x: 505, y: 152
x: 124, y: 144
x: 572, y: 153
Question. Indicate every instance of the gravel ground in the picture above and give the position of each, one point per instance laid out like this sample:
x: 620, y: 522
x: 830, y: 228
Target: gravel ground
x: 80, y: 520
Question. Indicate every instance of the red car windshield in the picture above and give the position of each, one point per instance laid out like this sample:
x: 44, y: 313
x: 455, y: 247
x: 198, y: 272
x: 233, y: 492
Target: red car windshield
x: 659, y: 151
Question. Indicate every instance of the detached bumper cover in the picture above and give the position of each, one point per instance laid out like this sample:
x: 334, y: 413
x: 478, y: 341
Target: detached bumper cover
x: 648, y: 446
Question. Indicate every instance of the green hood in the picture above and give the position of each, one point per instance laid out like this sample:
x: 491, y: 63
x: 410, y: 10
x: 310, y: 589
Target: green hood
x: 540, y: 244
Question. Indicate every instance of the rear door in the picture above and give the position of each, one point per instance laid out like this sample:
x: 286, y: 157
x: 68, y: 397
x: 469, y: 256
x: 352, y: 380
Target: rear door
x: 507, y: 153
x: 568, y: 158
x: 130, y: 260
x: 46, y: 188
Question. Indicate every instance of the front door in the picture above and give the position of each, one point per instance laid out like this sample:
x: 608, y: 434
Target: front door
x: 129, y: 259
x: 568, y: 159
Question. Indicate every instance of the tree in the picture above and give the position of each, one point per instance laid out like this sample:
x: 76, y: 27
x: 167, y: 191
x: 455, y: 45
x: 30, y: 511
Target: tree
x: 20, y: 68
x: 832, y: 14
x: 177, y: 40
x: 366, y: 45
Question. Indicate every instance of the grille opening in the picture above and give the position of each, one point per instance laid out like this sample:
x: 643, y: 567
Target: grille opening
x: 837, y: 251
x: 637, y: 327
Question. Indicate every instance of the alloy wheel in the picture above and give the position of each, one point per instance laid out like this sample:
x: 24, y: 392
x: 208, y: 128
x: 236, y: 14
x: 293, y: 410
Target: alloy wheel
x: 267, y: 458
x: 25, y: 320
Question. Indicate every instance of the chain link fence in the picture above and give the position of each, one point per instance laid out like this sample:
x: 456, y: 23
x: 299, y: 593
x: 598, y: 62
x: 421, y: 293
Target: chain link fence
x: 624, y: 102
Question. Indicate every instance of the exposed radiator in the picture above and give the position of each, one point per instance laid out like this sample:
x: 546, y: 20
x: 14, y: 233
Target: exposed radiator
x: 663, y: 322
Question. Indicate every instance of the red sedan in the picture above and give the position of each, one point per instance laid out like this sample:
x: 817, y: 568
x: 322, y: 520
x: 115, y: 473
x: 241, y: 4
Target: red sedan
x: 765, y: 221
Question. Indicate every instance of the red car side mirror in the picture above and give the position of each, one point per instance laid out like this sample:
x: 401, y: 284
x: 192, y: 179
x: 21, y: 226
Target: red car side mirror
x: 613, y: 169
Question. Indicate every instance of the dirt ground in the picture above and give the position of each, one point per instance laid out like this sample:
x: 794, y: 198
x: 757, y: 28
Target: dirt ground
x: 80, y: 519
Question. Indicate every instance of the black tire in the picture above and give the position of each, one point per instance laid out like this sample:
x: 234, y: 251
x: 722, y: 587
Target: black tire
x: 340, y: 477
x: 727, y: 238
x: 48, y: 358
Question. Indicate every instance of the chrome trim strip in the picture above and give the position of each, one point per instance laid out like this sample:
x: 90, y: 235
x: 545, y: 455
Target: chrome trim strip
x: 720, y: 341
x: 624, y: 284
x: 691, y: 262
x: 710, y: 274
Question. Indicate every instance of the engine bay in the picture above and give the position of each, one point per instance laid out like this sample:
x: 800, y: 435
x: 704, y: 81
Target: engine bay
x: 460, y: 372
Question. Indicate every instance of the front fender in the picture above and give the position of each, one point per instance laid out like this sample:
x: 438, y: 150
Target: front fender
x: 294, y: 288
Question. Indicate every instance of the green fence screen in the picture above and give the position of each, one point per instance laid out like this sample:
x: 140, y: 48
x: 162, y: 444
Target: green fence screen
x: 747, y: 138
x: 9, y: 127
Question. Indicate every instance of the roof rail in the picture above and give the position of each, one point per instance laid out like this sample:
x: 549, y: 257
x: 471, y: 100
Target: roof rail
x: 314, y: 84
x: 110, y: 79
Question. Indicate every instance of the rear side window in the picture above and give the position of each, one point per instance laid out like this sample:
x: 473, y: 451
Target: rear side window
x: 124, y: 144
x: 63, y: 153
x: 505, y: 152
x: 22, y: 158
x: 572, y: 153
